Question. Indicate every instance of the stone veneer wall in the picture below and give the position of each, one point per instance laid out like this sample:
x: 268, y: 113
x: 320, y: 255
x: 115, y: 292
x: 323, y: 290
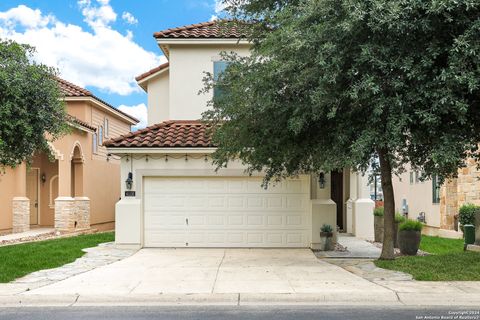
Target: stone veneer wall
x: 456, y: 192
x: 21, y: 214
x: 72, y: 214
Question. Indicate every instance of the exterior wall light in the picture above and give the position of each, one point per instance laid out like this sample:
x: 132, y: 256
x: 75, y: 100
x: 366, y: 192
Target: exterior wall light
x: 43, y: 178
x: 129, y: 181
x: 321, y: 180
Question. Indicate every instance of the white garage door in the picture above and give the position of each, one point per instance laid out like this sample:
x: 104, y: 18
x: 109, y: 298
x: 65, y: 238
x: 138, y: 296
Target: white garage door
x: 225, y: 212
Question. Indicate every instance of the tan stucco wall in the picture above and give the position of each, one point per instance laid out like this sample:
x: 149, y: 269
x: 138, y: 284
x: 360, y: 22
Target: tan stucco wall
x: 158, y: 99
x: 7, y: 192
x: 419, y: 198
x: 101, y: 174
x: 187, y: 66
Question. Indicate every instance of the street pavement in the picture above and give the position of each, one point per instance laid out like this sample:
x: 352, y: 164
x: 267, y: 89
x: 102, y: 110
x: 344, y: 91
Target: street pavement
x: 239, y: 313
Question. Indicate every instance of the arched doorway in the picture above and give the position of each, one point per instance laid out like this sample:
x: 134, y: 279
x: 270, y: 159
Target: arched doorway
x: 77, y: 172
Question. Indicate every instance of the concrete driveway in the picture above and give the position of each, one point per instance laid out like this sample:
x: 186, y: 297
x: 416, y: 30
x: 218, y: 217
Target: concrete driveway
x: 208, y: 271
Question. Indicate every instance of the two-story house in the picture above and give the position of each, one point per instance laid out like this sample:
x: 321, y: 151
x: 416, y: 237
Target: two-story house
x: 77, y: 185
x: 173, y: 197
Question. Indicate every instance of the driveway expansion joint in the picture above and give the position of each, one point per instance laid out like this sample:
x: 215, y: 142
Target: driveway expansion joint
x: 218, y: 270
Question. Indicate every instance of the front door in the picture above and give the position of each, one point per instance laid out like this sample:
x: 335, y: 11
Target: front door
x: 32, y: 194
x: 337, y: 195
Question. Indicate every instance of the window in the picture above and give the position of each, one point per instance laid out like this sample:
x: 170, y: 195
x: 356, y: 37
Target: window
x: 218, y: 68
x: 417, y: 176
x: 105, y: 125
x: 436, y: 184
x: 411, y: 177
x: 100, y: 136
x: 94, y: 143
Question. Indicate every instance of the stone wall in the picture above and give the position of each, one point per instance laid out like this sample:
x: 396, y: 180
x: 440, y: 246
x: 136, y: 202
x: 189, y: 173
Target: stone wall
x: 459, y: 191
x: 21, y: 214
x: 72, y: 214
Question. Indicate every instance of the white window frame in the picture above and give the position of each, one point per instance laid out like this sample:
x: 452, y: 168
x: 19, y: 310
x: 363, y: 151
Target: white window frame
x: 94, y: 143
x: 100, y: 136
x: 106, y: 127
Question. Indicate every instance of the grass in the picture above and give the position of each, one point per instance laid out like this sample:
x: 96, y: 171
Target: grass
x: 21, y: 259
x: 448, y: 262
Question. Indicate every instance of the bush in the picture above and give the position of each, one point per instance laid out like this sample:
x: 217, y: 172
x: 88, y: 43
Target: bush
x: 378, y: 212
x: 399, y: 218
x: 326, y: 228
x: 411, y: 225
x: 466, y: 214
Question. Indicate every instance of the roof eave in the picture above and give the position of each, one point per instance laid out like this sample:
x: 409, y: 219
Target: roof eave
x: 131, y: 120
x: 144, y: 82
x: 157, y: 150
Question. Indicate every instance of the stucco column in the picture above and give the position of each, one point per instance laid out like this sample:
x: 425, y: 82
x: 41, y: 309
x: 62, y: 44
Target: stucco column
x: 20, y: 202
x: 324, y: 209
x: 64, y: 178
x: 65, y: 207
x: 363, y: 209
x: 353, y: 196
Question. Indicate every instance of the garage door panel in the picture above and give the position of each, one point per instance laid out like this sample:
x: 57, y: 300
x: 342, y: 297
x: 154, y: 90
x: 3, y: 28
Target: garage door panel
x: 225, y: 212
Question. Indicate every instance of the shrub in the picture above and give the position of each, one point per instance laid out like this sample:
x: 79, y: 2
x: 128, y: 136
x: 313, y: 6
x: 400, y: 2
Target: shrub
x: 378, y: 211
x: 466, y: 214
x: 399, y: 218
x: 411, y: 225
x: 326, y: 228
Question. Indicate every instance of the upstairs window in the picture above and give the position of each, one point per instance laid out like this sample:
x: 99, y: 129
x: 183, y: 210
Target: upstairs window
x: 436, y: 184
x: 100, y: 136
x: 218, y: 68
x: 94, y: 143
x: 105, y: 126
x: 411, y: 177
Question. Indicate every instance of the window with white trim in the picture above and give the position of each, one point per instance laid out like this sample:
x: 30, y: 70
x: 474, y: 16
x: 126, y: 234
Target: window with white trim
x: 105, y: 125
x: 94, y: 143
x: 100, y: 136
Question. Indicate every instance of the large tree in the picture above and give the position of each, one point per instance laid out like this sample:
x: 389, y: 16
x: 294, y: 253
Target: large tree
x: 336, y: 83
x: 32, y: 110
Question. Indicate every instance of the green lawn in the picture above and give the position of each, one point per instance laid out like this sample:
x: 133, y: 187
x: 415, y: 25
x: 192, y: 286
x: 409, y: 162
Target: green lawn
x: 21, y: 259
x: 448, y: 262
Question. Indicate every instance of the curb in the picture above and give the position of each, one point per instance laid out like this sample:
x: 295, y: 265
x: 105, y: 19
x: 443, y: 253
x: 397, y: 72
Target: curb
x: 241, y: 299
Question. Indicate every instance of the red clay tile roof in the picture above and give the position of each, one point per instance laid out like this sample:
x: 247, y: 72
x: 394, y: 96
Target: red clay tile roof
x: 71, y: 90
x: 212, y: 29
x: 168, y: 134
x: 154, y: 70
x: 79, y: 122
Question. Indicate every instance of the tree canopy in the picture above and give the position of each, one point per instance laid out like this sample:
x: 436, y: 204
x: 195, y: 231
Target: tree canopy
x: 334, y: 83
x: 32, y: 110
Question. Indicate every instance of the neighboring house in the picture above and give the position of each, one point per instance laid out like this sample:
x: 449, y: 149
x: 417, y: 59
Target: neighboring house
x: 173, y: 197
x: 75, y: 187
x: 434, y: 203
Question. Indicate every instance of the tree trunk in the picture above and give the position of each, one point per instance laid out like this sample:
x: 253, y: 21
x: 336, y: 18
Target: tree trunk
x: 389, y: 206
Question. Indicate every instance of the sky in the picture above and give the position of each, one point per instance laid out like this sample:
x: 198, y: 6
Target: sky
x: 101, y: 45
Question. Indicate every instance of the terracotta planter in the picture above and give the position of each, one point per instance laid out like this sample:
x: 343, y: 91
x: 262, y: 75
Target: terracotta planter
x: 326, y: 241
x: 409, y: 241
x: 378, y: 227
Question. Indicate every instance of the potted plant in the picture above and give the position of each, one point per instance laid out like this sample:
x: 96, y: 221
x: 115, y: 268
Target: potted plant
x: 326, y: 237
x: 399, y: 218
x: 409, y: 237
x: 378, y: 223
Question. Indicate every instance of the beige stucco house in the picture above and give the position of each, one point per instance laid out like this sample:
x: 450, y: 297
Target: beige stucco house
x: 173, y: 197
x: 436, y: 203
x: 77, y: 186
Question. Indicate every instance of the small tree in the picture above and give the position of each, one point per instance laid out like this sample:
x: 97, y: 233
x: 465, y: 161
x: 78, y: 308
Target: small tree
x: 31, y: 109
x: 336, y: 83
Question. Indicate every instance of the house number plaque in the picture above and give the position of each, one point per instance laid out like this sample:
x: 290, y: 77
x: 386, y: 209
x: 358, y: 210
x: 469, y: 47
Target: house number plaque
x: 129, y: 193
